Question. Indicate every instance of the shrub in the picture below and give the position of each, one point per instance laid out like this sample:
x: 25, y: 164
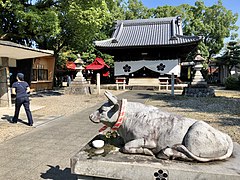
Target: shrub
x: 232, y: 83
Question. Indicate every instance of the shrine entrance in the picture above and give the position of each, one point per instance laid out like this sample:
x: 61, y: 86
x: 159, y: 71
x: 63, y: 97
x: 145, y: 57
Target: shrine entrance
x: 143, y: 73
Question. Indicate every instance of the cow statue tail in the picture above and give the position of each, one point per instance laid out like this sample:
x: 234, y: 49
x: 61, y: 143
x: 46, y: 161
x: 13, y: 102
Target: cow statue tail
x: 190, y: 155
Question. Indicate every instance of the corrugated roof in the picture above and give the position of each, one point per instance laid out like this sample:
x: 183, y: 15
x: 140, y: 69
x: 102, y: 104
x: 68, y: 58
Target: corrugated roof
x: 148, y: 32
x: 17, y: 51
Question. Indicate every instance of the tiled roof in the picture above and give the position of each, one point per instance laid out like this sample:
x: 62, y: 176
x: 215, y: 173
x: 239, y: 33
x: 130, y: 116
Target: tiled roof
x: 148, y: 32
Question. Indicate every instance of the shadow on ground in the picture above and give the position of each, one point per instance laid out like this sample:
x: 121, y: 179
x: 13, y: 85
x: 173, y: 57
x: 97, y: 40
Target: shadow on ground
x: 55, y: 173
x: 47, y: 93
x: 229, y: 121
x: 135, y: 95
x: 7, y: 117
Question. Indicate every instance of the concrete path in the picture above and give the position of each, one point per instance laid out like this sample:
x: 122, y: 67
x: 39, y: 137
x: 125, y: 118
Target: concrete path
x: 45, y: 152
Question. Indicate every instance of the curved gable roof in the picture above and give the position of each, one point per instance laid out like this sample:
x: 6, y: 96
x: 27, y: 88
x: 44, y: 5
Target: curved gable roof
x: 98, y: 63
x: 148, y: 32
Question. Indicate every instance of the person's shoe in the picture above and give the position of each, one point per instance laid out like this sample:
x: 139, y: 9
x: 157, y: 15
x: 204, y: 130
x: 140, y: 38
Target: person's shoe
x: 30, y: 124
x: 13, y: 122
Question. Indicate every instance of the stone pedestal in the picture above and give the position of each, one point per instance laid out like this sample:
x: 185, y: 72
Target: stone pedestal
x: 196, y: 91
x: 112, y: 164
x: 79, y: 89
x: 79, y: 86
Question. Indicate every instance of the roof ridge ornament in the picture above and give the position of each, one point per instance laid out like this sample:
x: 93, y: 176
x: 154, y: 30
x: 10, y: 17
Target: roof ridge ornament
x: 173, y: 37
x: 118, y: 34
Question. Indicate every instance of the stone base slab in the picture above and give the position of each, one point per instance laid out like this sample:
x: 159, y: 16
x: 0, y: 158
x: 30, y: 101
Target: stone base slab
x: 198, y: 91
x: 79, y: 89
x: 115, y: 165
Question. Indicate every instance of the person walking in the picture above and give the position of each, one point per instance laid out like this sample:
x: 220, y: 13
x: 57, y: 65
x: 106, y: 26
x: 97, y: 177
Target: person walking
x: 21, y: 89
x: 69, y: 80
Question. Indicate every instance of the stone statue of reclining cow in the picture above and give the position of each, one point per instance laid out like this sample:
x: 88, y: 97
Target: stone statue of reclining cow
x: 148, y: 130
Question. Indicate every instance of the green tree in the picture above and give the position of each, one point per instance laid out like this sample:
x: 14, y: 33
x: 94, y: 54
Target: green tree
x: 116, y: 12
x: 81, y: 20
x: 53, y: 24
x: 22, y: 22
x: 74, y: 24
x: 213, y: 24
x: 231, y: 56
x: 134, y: 9
x: 167, y: 11
x: 64, y: 57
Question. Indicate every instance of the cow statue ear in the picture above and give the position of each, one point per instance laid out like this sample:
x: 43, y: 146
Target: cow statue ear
x: 111, y: 97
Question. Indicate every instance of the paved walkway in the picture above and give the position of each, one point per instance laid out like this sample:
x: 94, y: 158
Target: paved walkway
x: 45, y: 152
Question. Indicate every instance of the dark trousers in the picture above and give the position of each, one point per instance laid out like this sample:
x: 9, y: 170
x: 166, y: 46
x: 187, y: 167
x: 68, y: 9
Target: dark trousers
x: 25, y: 102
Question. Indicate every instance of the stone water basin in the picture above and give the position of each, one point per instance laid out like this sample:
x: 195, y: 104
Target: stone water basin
x: 102, y: 145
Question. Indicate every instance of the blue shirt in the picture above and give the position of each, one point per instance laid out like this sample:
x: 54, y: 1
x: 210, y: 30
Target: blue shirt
x: 21, y: 88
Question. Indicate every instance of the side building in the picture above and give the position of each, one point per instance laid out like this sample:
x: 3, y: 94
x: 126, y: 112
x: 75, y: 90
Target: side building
x: 36, y: 64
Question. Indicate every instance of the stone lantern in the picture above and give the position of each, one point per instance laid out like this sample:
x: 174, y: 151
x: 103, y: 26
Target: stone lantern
x: 79, y: 67
x: 79, y: 85
x: 198, y: 79
x: 198, y: 87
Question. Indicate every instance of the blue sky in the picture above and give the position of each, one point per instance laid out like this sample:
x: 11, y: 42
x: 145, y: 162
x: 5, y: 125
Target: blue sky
x: 233, y: 5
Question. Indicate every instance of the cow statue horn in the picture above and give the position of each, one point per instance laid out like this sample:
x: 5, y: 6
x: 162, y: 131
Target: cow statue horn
x: 111, y: 97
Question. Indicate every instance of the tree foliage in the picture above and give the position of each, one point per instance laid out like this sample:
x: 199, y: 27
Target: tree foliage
x: 72, y: 25
x: 231, y: 56
x: 213, y: 24
x: 81, y: 20
x: 25, y: 23
x: 134, y: 9
x: 167, y: 11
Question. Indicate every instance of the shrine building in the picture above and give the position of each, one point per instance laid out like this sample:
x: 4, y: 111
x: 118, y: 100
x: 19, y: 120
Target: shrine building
x: 149, y: 48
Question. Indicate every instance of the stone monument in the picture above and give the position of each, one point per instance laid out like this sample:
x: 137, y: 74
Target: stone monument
x: 198, y: 87
x: 135, y: 129
x: 79, y: 85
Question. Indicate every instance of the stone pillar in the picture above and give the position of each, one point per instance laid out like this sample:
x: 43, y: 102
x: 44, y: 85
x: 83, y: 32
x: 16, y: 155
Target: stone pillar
x: 5, y: 90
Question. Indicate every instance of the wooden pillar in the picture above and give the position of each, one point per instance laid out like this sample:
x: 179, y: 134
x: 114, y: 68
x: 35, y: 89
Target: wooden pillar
x: 172, y: 84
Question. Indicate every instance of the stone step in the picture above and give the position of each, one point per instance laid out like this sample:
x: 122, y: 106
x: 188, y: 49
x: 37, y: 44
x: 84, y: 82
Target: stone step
x: 143, y: 81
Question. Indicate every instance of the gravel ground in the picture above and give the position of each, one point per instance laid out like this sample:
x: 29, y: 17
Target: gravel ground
x: 222, y: 112
x: 55, y: 103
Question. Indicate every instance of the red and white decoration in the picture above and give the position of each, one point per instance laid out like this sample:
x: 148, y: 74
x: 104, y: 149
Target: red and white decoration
x: 120, y: 117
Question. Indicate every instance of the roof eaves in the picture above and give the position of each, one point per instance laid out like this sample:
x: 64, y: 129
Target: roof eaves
x: 98, y: 43
x: 12, y: 44
x: 188, y: 37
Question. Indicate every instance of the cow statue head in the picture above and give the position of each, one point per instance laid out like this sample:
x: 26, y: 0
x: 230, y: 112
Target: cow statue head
x: 108, y: 113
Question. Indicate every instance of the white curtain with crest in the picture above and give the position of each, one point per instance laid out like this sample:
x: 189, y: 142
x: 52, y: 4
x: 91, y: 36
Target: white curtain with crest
x: 160, y: 66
